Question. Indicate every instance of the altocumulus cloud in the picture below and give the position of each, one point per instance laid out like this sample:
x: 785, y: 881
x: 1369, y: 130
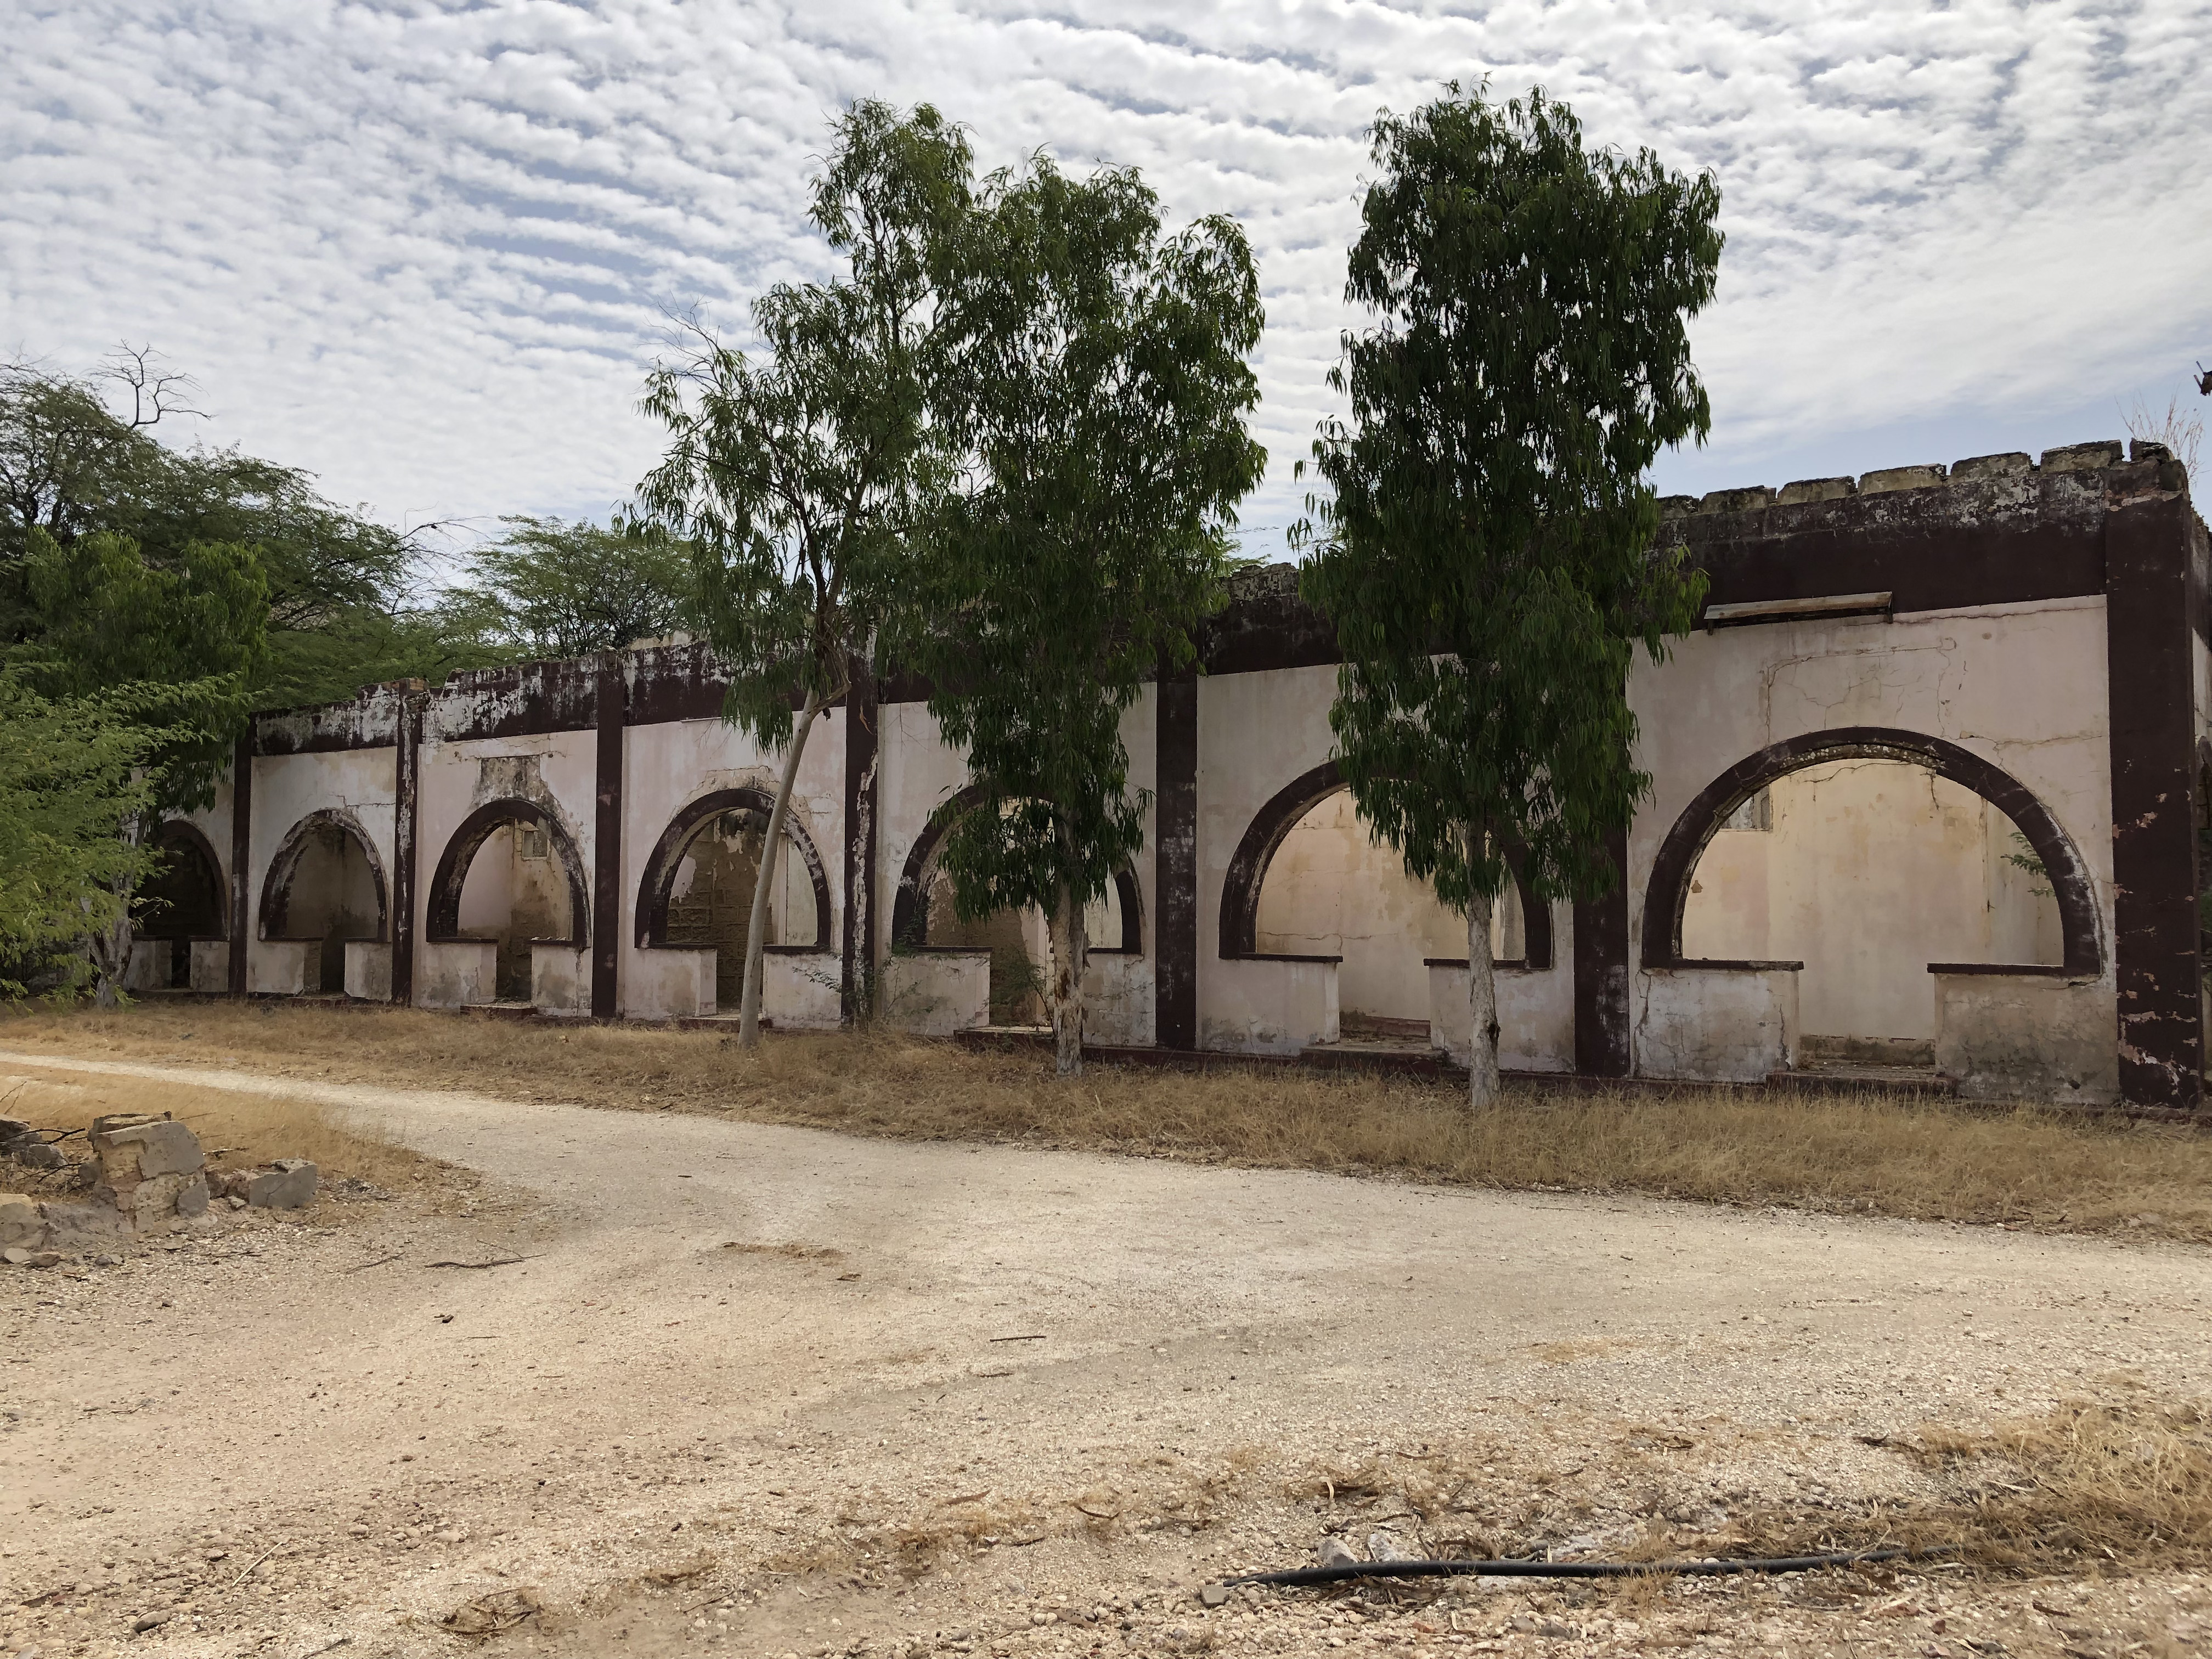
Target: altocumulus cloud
x: 426, y: 252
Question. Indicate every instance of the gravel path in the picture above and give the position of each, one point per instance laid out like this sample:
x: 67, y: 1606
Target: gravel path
x: 848, y: 1394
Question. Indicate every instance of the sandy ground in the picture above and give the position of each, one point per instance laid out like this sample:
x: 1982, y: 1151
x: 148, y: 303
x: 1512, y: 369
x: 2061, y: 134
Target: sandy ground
x: 760, y: 1390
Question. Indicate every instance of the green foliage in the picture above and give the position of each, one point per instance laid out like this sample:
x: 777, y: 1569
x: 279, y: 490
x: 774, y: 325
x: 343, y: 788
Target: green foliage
x: 186, y: 645
x: 1094, y: 385
x: 791, y: 474
x: 337, y: 581
x: 72, y: 774
x: 1486, y: 555
x: 546, y: 589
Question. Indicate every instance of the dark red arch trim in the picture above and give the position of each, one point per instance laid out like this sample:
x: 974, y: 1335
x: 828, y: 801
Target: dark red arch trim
x: 1263, y: 839
x: 653, y: 892
x: 1667, y: 892
x: 910, y: 919
x: 443, y: 921
x: 276, y: 885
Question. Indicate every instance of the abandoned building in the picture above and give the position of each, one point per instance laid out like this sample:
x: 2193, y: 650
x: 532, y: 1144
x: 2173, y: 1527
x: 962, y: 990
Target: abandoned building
x: 1930, y: 782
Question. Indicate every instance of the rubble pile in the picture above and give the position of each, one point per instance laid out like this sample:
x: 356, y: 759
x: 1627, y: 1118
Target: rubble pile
x: 149, y: 1175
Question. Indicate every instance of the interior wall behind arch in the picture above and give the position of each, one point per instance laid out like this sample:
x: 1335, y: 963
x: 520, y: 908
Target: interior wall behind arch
x: 516, y: 890
x: 1330, y: 890
x: 1867, y: 871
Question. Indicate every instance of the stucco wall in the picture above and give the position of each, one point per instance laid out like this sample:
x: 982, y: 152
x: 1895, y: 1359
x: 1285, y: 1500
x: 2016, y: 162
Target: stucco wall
x: 2018, y: 685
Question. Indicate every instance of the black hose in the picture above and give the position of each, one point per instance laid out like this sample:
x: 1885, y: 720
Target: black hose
x: 1576, y: 1569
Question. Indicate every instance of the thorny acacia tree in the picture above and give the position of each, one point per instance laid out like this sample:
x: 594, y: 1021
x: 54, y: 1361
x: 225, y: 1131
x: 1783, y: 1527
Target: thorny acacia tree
x: 1487, y: 554
x: 548, y: 589
x: 1095, y: 387
x: 793, y: 473
x: 176, y: 652
x: 72, y: 773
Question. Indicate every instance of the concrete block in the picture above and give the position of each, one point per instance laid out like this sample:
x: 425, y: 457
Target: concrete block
x: 139, y: 1151
x: 1900, y: 478
x: 2082, y: 458
x: 211, y: 965
x: 1815, y: 489
x: 1736, y: 500
x: 368, y: 971
x: 153, y: 1204
x: 286, y: 1184
x: 22, y: 1221
x: 2014, y: 464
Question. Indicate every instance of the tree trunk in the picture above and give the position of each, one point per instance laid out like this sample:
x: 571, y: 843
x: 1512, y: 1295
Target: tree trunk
x: 110, y: 948
x: 1071, y: 954
x: 749, y: 1000
x: 1482, y: 1002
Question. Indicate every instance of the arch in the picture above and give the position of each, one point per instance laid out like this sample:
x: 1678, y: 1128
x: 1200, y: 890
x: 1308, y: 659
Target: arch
x: 1667, y: 893
x: 276, y: 885
x: 1263, y: 839
x: 910, y: 916
x: 443, y: 923
x: 654, y: 892
x: 189, y: 845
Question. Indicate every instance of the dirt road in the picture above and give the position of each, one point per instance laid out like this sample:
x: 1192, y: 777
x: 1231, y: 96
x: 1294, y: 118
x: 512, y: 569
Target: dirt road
x: 852, y: 1395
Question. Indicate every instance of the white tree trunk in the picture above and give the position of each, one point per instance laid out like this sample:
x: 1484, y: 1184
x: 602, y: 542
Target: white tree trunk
x: 110, y: 948
x: 749, y: 1000
x: 1482, y: 1004
x: 1071, y: 954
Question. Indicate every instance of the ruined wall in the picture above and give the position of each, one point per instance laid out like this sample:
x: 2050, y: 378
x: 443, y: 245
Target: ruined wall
x: 2045, y: 624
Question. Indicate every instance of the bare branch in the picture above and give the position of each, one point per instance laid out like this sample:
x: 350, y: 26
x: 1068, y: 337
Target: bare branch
x: 153, y: 393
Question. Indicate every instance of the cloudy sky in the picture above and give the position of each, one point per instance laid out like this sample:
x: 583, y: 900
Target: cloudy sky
x: 427, y: 250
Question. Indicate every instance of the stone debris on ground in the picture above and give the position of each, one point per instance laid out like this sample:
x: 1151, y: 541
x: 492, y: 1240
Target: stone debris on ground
x: 148, y: 1175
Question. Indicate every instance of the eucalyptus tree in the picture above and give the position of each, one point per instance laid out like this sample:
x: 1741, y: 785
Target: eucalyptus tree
x: 1487, y: 549
x: 1094, y: 386
x: 793, y: 472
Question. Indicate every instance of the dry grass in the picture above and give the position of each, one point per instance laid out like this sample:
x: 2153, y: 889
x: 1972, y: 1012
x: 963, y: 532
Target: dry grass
x: 234, y: 1129
x: 1889, y: 1156
x: 2128, y: 1483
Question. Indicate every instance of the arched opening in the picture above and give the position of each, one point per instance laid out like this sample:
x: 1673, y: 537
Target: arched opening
x: 1868, y: 857
x: 1309, y: 880
x: 1330, y: 889
x: 700, y: 882
x: 181, y: 902
x: 325, y: 884
x: 511, y: 874
x: 925, y: 916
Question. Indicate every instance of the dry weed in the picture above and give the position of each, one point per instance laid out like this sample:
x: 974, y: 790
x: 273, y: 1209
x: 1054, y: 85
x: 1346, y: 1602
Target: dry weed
x: 1898, y: 1155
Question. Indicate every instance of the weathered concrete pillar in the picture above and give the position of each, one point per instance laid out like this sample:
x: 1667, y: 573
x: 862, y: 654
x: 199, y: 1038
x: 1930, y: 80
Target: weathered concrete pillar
x: 857, y: 946
x: 242, y: 850
x: 1601, y: 974
x: 2152, y: 608
x: 1175, y: 863
x: 406, y: 812
x: 612, y: 714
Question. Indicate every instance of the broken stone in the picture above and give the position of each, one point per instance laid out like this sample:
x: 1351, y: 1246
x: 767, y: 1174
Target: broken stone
x: 1335, y: 1552
x: 22, y: 1221
x: 131, y: 1152
x: 1213, y: 1595
x: 35, y: 1154
x: 104, y: 1259
x: 1381, y: 1546
x: 16, y: 1256
x: 288, y: 1183
x: 84, y: 1226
